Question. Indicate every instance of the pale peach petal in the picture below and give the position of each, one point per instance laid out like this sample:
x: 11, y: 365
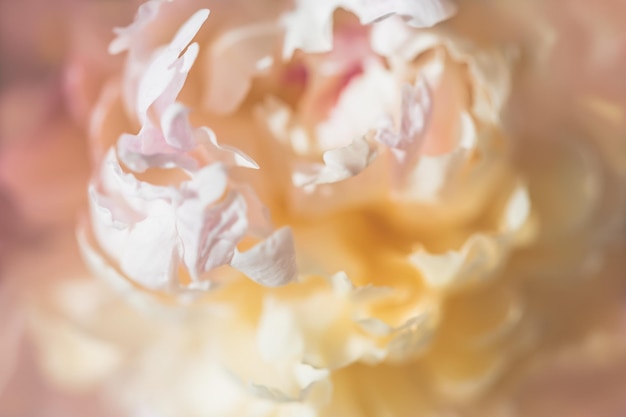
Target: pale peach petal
x: 236, y: 57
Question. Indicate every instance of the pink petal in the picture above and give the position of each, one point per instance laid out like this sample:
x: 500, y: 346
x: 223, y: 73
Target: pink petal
x: 165, y: 147
x: 177, y: 130
x: 166, y: 74
x: 210, y: 236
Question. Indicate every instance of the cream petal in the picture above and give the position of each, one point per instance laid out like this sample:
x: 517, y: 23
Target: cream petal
x: 482, y: 254
x: 279, y: 335
x: 339, y: 164
x: 478, y: 260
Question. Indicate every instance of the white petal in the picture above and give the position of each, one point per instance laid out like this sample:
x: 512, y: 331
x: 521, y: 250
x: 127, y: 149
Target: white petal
x: 149, y: 254
x: 164, y: 78
x: 228, y: 155
x: 188, y: 30
x: 272, y: 262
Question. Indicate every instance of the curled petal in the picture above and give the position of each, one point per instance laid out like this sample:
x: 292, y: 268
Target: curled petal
x: 339, y: 164
x: 146, y: 13
x: 270, y: 263
x: 166, y: 74
x: 225, y: 154
x: 177, y: 131
x: 145, y: 246
x: 482, y: 255
x: 309, y: 380
x: 169, y: 145
x: 479, y: 259
x: 163, y: 80
x: 187, y: 226
x: 210, y: 236
x: 149, y: 149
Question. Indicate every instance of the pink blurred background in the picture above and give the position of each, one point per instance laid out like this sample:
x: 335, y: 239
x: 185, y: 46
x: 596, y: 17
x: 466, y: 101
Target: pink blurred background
x: 571, y: 80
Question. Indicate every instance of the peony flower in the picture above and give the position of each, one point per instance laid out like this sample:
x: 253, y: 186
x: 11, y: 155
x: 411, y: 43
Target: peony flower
x: 318, y: 209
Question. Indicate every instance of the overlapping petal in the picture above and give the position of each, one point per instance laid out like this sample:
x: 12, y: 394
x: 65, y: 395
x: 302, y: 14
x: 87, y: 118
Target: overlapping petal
x: 172, y: 236
x: 310, y: 26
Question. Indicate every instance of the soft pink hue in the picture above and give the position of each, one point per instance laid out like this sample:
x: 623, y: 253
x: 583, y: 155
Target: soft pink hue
x: 195, y: 221
x: 313, y: 208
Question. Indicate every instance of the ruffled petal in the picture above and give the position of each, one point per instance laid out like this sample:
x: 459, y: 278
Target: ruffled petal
x: 210, y: 235
x: 309, y: 26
